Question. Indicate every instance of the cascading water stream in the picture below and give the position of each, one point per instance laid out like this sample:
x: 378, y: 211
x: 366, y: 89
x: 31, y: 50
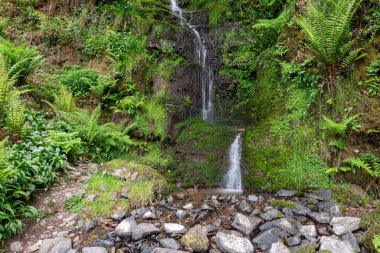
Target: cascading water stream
x: 232, y: 180
x: 207, y: 77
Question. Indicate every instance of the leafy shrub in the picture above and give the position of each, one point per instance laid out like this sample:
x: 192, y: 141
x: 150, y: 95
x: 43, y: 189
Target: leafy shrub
x: 79, y: 80
x: 129, y: 105
x: 103, y: 141
x: 373, y: 77
x: 25, y: 167
x: 20, y: 61
x: 95, y: 44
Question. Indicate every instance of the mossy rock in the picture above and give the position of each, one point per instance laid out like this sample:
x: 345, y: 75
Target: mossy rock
x: 123, y: 186
x: 366, y: 239
x: 371, y: 219
x: 130, y: 171
x: 280, y: 203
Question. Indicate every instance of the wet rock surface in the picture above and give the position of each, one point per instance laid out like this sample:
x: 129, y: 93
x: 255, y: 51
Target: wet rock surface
x: 192, y: 221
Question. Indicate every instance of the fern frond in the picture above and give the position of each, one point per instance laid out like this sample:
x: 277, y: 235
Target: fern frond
x: 338, y: 144
x: 352, y: 56
x: 15, y: 113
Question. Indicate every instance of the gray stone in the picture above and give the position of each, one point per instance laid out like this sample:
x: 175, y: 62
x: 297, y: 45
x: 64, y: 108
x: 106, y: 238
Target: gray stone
x: 228, y: 243
x: 287, y: 224
x: 125, y: 228
x: 325, y: 195
x: 92, y: 197
x: 149, y: 215
x: 301, y: 210
x: 189, y: 206
x: 170, y: 200
x: 118, y: 216
x: 174, y: 228
x: 87, y: 225
x: 323, y: 218
x: 196, y: 239
x: 163, y: 250
x: 245, y: 224
x: 16, y: 246
x: 293, y: 241
x: 287, y: 211
x: 80, y: 193
x: 56, y: 245
x: 336, y: 211
x: 352, y: 240
x: 182, y: 214
x: 335, y: 245
x: 253, y: 198
x: 313, y: 196
x: 265, y: 239
x: 279, y: 247
x: 308, y: 230
x: 208, y: 207
x: 285, y: 193
x: 270, y: 215
x: 344, y: 225
x: 244, y: 206
x: 234, y: 199
x: 322, y: 231
x: 103, y: 243
x: 266, y: 226
x: 35, y: 246
x: 94, y: 250
x: 144, y: 230
x: 169, y: 243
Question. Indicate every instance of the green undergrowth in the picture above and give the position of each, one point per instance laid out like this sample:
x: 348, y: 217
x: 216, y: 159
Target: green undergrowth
x: 137, y: 186
x: 370, y: 222
x: 202, y: 152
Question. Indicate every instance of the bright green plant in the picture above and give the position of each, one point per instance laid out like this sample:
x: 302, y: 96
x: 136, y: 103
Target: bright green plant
x: 68, y: 143
x: 103, y: 140
x: 95, y: 44
x: 79, y: 80
x: 129, y: 105
x: 20, y: 61
x: 15, y: 113
x: 376, y: 243
x: 339, y: 131
x: 373, y: 77
x: 367, y: 162
x: 327, y: 32
x: 63, y: 101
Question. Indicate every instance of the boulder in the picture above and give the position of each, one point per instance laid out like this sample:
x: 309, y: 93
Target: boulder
x: 344, y: 225
x: 323, y: 218
x: 144, y: 230
x: 279, y: 247
x: 244, y: 206
x: 163, y: 250
x: 16, y: 246
x: 56, y: 245
x: 285, y: 193
x: 174, y: 228
x: 308, y: 230
x: 125, y: 228
x: 352, y: 240
x: 245, y: 224
x: 196, y: 239
x: 293, y: 241
x: 229, y: 243
x: 270, y: 215
x: 169, y: 243
x: 94, y: 250
x: 333, y: 244
x: 266, y: 238
x: 287, y: 224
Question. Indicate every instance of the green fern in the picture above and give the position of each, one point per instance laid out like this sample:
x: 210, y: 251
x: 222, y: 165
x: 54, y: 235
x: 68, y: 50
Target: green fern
x: 328, y: 33
x: 15, y: 113
x: 338, y: 144
x: 63, y: 101
x: 357, y: 163
x: 5, y: 85
x: 333, y: 128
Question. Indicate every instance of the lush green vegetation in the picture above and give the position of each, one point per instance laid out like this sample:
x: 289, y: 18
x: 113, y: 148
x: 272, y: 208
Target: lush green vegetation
x: 91, y: 80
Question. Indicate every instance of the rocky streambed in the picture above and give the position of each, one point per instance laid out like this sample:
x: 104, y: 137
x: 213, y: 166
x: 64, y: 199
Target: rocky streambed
x: 203, y: 221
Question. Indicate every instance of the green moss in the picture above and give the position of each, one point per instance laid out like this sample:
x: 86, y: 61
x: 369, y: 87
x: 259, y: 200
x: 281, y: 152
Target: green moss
x: 202, y: 150
x: 347, y: 196
x: 280, y: 203
x: 141, y: 183
x: 366, y: 239
x: 306, y: 249
x: 74, y: 204
x: 312, y: 202
x: 370, y: 219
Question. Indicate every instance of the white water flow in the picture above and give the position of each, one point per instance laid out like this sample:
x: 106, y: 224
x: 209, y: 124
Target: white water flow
x: 232, y: 180
x: 207, y: 78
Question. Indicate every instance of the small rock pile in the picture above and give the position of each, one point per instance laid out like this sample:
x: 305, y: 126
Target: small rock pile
x: 220, y: 223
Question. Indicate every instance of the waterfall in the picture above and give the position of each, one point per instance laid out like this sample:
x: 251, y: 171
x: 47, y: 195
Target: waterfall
x: 207, y: 78
x: 232, y: 180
